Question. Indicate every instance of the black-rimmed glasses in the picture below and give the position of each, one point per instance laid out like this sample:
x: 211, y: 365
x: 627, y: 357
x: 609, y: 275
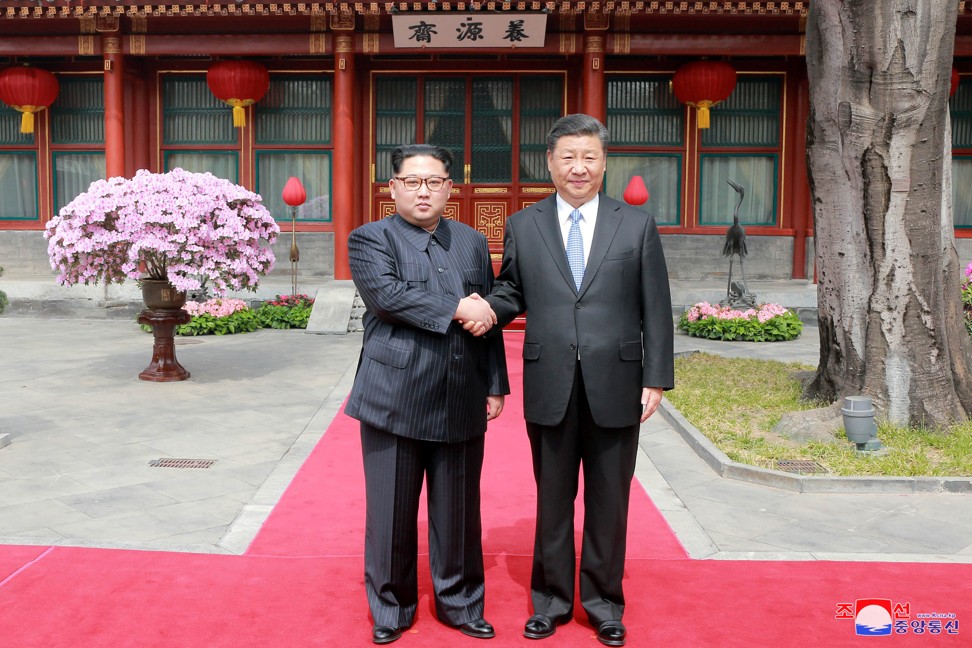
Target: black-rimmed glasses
x: 413, y: 183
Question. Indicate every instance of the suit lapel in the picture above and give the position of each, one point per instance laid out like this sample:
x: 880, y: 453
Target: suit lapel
x: 608, y: 222
x: 552, y: 236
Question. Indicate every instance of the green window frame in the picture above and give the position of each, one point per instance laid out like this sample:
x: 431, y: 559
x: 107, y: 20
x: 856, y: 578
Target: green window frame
x: 757, y: 173
x: 541, y: 104
x: 662, y: 174
x: 642, y: 111
x: 296, y: 110
x: 18, y: 184
x: 396, y: 103
x: 74, y: 171
x: 749, y: 118
x: 491, y: 156
x: 78, y: 114
x: 960, y: 109
x: 192, y: 115
x: 314, y: 168
x: 222, y: 164
x: 743, y: 144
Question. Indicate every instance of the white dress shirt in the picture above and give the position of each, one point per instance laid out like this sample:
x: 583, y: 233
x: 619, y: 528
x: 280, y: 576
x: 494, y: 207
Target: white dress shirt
x: 589, y: 212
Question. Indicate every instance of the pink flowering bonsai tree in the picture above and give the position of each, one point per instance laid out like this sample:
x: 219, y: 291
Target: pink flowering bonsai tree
x: 189, y: 228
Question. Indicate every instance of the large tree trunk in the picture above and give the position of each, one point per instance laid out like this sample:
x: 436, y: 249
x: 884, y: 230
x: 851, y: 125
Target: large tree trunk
x: 879, y: 158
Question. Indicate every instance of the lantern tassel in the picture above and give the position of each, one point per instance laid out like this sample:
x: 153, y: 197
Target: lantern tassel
x: 239, y: 114
x: 703, y: 116
x: 27, y: 122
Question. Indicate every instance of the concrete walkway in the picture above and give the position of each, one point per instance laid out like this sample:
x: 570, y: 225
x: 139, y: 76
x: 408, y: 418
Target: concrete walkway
x: 82, y: 433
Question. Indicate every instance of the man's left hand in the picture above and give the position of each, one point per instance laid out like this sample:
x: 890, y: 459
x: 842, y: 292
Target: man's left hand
x: 650, y: 398
x: 494, y: 406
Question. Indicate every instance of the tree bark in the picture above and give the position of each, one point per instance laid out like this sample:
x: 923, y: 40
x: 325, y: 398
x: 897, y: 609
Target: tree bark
x: 879, y: 163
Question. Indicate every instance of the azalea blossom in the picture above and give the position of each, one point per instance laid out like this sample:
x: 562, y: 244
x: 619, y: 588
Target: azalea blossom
x: 216, y: 307
x: 180, y: 226
x: 763, y: 312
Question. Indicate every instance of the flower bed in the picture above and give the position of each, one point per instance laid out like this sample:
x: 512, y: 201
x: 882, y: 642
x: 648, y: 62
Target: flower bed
x: 765, y: 323
x: 224, y: 316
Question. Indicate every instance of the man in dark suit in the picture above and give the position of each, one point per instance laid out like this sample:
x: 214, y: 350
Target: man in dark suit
x: 590, y: 274
x: 423, y: 393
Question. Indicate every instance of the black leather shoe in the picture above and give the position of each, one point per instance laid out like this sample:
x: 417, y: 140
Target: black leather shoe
x: 540, y: 627
x: 611, y: 633
x: 480, y: 629
x: 385, y: 634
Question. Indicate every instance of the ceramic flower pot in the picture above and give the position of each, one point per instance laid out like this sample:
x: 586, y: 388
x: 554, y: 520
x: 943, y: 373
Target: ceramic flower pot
x: 160, y: 295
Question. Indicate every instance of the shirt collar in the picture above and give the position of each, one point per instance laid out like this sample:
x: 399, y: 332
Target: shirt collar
x: 588, y: 209
x: 420, y: 238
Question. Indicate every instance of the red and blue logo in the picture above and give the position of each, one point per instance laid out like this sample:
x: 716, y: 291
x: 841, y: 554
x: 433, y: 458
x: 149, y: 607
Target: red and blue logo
x: 872, y: 617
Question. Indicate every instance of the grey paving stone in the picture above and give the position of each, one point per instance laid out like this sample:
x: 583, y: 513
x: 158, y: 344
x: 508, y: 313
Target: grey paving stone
x: 110, y: 502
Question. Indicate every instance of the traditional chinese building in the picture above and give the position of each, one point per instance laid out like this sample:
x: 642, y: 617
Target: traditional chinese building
x: 348, y: 82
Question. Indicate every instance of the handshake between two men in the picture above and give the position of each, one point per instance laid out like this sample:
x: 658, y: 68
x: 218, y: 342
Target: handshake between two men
x: 475, y: 315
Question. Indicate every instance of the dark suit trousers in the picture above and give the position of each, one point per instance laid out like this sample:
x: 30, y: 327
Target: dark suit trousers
x: 607, y: 456
x: 394, y: 469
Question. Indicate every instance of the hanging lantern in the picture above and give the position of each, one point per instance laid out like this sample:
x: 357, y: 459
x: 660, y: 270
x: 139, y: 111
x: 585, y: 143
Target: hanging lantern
x: 636, y: 193
x: 29, y: 90
x: 955, y: 82
x: 239, y: 84
x: 704, y: 84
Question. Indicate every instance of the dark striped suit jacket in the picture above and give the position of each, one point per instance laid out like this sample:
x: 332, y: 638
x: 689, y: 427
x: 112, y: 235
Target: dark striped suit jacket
x: 420, y: 375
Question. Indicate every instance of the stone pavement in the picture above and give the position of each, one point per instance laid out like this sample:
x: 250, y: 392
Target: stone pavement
x: 82, y: 432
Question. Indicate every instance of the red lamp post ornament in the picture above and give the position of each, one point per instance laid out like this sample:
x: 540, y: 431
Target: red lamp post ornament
x: 28, y: 90
x: 239, y: 84
x: 703, y: 84
x: 294, y: 195
x: 636, y: 192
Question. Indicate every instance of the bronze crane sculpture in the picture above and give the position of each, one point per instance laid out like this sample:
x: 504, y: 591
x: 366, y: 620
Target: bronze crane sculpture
x: 737, y: 294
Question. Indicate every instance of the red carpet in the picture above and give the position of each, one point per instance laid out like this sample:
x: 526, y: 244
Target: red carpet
x: 300, y: 582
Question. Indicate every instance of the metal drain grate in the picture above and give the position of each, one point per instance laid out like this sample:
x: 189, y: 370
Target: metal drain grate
x: 799, y: 466
x: 182, y: 463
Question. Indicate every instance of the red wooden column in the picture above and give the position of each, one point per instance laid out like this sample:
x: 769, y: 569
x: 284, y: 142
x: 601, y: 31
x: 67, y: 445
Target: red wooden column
x: 342, y: 206
x: 799, y: 204
x: 592, y: 76
x: 114, y: 105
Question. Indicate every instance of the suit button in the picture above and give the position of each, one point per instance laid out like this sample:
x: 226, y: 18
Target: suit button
x: 456, y: 356
x: 432, y: 242
x: 573, y: 347
x: 577, y: 306
x: 441, y: 269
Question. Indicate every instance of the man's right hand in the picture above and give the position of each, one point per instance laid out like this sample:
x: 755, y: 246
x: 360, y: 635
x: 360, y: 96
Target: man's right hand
x: 475, y: 315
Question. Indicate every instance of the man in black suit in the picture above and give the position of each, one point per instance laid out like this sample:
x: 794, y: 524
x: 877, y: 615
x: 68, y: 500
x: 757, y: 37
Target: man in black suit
x: 590, y: 274
x: 423, y: 393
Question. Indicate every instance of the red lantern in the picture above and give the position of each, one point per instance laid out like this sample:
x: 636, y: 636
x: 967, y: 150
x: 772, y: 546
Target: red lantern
x: 293, y: 192
x: 28, y: 90
x: 955, y: 82
x: 238, y: 83
x: 704, y: 84
x: 637, y: 192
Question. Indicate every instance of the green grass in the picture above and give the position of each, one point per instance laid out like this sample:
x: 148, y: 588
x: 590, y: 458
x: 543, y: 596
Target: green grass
x: 736, y: 402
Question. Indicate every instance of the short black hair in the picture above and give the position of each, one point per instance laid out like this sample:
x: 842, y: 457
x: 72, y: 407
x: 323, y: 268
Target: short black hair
x: 576, y: 124
x: 406, y: 151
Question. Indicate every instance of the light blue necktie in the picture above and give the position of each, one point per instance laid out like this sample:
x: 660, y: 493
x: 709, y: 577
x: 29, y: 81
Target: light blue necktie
x: 575, y: 248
